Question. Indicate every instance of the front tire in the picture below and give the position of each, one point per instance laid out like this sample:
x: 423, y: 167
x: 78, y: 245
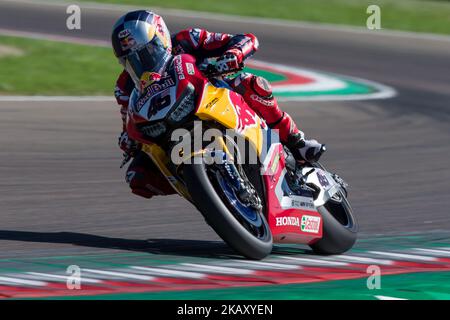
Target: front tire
x: 339, y: 227
x: 219, y: 217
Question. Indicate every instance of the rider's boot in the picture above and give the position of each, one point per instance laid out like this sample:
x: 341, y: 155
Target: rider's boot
x: 303, y: 149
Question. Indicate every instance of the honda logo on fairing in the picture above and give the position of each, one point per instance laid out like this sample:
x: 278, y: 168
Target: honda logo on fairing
x: 288, y: 221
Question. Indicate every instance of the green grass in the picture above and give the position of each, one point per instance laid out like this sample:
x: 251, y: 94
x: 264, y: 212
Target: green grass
x: 54, y: 68
x: 410, y: 15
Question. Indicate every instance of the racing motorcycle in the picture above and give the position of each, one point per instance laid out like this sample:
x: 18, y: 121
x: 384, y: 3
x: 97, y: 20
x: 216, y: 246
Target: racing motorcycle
x: 249, y: 204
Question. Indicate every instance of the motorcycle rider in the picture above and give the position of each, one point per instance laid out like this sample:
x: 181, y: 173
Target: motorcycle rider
x: 141, y: 41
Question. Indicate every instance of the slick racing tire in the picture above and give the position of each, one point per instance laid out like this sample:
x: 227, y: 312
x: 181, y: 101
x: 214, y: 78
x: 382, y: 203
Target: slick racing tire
x: 339, y: 227
x: 219, y: 216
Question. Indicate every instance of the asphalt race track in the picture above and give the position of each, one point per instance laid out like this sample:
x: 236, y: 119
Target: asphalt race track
x: 62, y: 191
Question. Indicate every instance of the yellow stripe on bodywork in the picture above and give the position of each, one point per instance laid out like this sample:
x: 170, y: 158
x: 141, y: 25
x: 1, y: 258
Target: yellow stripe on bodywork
x: 216, y: 105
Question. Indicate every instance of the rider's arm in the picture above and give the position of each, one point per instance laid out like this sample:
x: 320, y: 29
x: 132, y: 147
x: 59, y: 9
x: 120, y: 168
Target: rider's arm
x: 122, y: 92
x: 202, y: 43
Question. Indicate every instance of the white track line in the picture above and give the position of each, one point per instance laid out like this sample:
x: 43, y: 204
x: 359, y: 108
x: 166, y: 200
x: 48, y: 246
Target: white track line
x: 169, y: 272
x: 314, y: 262
x: 263, y: 265
x: 388, y: 298
x: 53, y: 37
x: 119, y: 274
x: 213, y: 269
x: 62, y: 278
x: 432, y: 252
x: 22, y: 281
x: 404, y: 256
x: 362, y: 260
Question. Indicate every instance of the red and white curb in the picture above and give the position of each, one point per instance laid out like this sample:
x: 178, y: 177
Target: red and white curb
x: 304, y: 84
x: 299, y: 79
x: 214, y: 274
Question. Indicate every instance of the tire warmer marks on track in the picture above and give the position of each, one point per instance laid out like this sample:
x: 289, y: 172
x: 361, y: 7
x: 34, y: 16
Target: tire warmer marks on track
x: 292, y: 269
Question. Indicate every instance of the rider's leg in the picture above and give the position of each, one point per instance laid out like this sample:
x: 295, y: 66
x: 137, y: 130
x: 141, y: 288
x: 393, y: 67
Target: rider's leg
x: 257, y: 93
x: 145, y: 179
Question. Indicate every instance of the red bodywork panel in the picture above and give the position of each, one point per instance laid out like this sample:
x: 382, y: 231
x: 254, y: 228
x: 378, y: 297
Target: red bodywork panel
x: 286, y: 223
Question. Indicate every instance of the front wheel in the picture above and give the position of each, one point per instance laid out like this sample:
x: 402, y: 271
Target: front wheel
x: 243, y: 229
x: 339, y: 226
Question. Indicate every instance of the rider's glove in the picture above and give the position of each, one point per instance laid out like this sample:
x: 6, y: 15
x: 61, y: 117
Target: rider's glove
x: 230, y: 62
x: 128, y: 145
x: 303, y: 149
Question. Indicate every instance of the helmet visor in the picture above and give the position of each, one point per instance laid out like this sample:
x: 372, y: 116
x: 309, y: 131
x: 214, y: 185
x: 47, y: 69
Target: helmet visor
x: 150, y: 58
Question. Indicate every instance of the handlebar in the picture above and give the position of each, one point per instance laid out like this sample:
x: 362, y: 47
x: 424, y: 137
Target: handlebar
x: 208, y: 67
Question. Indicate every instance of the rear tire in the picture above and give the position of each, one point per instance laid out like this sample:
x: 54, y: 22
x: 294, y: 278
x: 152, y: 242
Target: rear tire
x: 219, y: 217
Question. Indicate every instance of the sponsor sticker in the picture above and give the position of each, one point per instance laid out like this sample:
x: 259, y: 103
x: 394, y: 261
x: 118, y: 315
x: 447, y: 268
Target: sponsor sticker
x: 267, y: 103
x: 303, y: 204
x: 179, y: 68
x: 190, y: 68
x: 124, y: 33
x: 212, y: 103
x: 148, y: 78
x: 310, y: 224
x: 152, y: 89
x: 322, y: 179
x: 287, y: 221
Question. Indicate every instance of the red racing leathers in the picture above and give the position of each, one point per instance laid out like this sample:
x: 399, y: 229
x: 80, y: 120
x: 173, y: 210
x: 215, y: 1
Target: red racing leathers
x: 142, y: 176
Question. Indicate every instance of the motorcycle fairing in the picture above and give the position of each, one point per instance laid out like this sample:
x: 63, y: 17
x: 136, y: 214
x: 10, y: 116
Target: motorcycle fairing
x: 289, y: 213
x: 229, y: 109
x: 324, y: 181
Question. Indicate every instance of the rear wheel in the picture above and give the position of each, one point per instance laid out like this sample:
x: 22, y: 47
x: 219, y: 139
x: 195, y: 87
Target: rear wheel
x: 243, y: 228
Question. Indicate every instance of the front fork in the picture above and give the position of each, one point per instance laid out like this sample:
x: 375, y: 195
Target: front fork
x: 224, y: 161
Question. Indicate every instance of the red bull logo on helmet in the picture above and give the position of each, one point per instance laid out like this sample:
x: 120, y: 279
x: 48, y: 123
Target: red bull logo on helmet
x: 148, y: 78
